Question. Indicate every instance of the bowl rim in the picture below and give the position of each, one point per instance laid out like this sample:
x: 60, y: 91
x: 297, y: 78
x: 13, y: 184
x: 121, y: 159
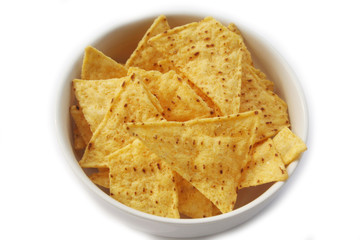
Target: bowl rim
x: 70, y: 157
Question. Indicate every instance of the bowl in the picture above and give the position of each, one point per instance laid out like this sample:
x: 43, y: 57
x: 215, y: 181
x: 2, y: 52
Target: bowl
x: 118, y: 43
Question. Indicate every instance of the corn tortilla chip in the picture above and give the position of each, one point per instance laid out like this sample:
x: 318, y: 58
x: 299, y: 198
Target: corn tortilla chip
x: 132, y: 103
x: 209, y: 55
x: 273, y: 116
x: 78, y: 140
x: 97, y: 65
x: 208, y: 153
x: 192, y: 203
x: 141, y: 180
x: 81, y: 123
x: 247, y: 61
x: 94, y: 98
x: 101, y: 177
x: 262, y: 78
x: 265, y: 166
x: 289, y: 145
x: 177, y: 98
x: 147, y: 57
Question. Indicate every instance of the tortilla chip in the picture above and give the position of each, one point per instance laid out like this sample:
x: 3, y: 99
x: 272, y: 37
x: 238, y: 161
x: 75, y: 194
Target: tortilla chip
x: 78, y: 140
x: 132, y: 103
x: 246, y: 54
x: 81, y: 123
x: 273, y: 116
x: 208, y: 153
x: 97, y: 65
x: 192, y: 203
x: 247, y: 61
x: 265, y: 166
x: 141, y: 180
x: 289, y: 145
x: 179, y: 101
x: 262, y: 78
x: 209, y: 55
x: 101, y: 177
x: 94, y: 98
x: 147, y: 57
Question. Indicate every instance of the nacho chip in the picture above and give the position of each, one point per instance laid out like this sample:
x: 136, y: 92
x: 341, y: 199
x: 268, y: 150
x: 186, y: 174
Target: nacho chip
x: 141, y: 180
x: 247, y: 61
x: 147, y: 57
x: 78, y: 140
x: 101, y: 177
x: 132, y: 103
x: 262, y: 78
x: 209, y: 55
x: 208, y: 153
x: 94, y: 98
x: 289, y: 145
x: 97, y: 65
x: 265, y: 166
x: 81, y: 123
x: 273, y: 114
x: 177, y: 98
x: 192, y: 203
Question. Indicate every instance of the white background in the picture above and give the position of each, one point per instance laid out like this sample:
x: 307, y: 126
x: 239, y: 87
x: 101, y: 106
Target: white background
x: 40, y: 196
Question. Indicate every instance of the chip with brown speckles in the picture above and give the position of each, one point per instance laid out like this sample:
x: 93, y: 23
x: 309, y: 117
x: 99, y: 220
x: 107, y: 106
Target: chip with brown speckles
x: 192, y: 150
x: 97, y: 65
x: 141, y: 180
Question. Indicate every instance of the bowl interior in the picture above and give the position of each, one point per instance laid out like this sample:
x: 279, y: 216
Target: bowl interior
x: 120, y: 42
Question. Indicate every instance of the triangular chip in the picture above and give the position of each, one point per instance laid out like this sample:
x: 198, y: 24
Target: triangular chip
x: 208, y: 153
x: 81, y: 123
x: 273, y: 116
x: 94, y: 98
x: 78, y: 140
x: 192, y: 202
x: 246, y: 54
x: 97, y: 65
x: 101, y: 177
x: 147, y: 57
x: 132, y: 103
x: 265, y: 166
x: 262, y: 78
x: 289, y: 145
x: 209, y: 55
x: 141, y: 180
x: 177, y: 98
x: 247, y: 61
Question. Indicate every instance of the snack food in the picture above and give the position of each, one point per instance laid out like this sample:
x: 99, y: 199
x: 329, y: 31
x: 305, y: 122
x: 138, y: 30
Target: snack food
x: 183, y: 124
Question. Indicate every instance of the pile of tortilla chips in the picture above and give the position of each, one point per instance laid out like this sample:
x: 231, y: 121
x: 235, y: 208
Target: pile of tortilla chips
x: 184, y: 124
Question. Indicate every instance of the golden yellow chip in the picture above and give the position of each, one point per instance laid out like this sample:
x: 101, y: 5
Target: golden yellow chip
x: 265, y: 166
x: 177, y: 98
x: 246, y: 59
x: 262, y: 78
x: 208, y: 153
x: 147, y: 57
x: 192, y: 203
x: 132, y: 103
x: 94, y: 98
x: 289, y: 145
x: 247, y: 62
x: 209, y: 55
x: 273, y: 114
x: 101, y: 177
x: 141, y: 180
x: 78, y: 140
x: 81, y: 123
x: 97, y: 65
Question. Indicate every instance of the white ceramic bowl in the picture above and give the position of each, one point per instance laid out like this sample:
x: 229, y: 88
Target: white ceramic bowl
x: 118, y: 43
